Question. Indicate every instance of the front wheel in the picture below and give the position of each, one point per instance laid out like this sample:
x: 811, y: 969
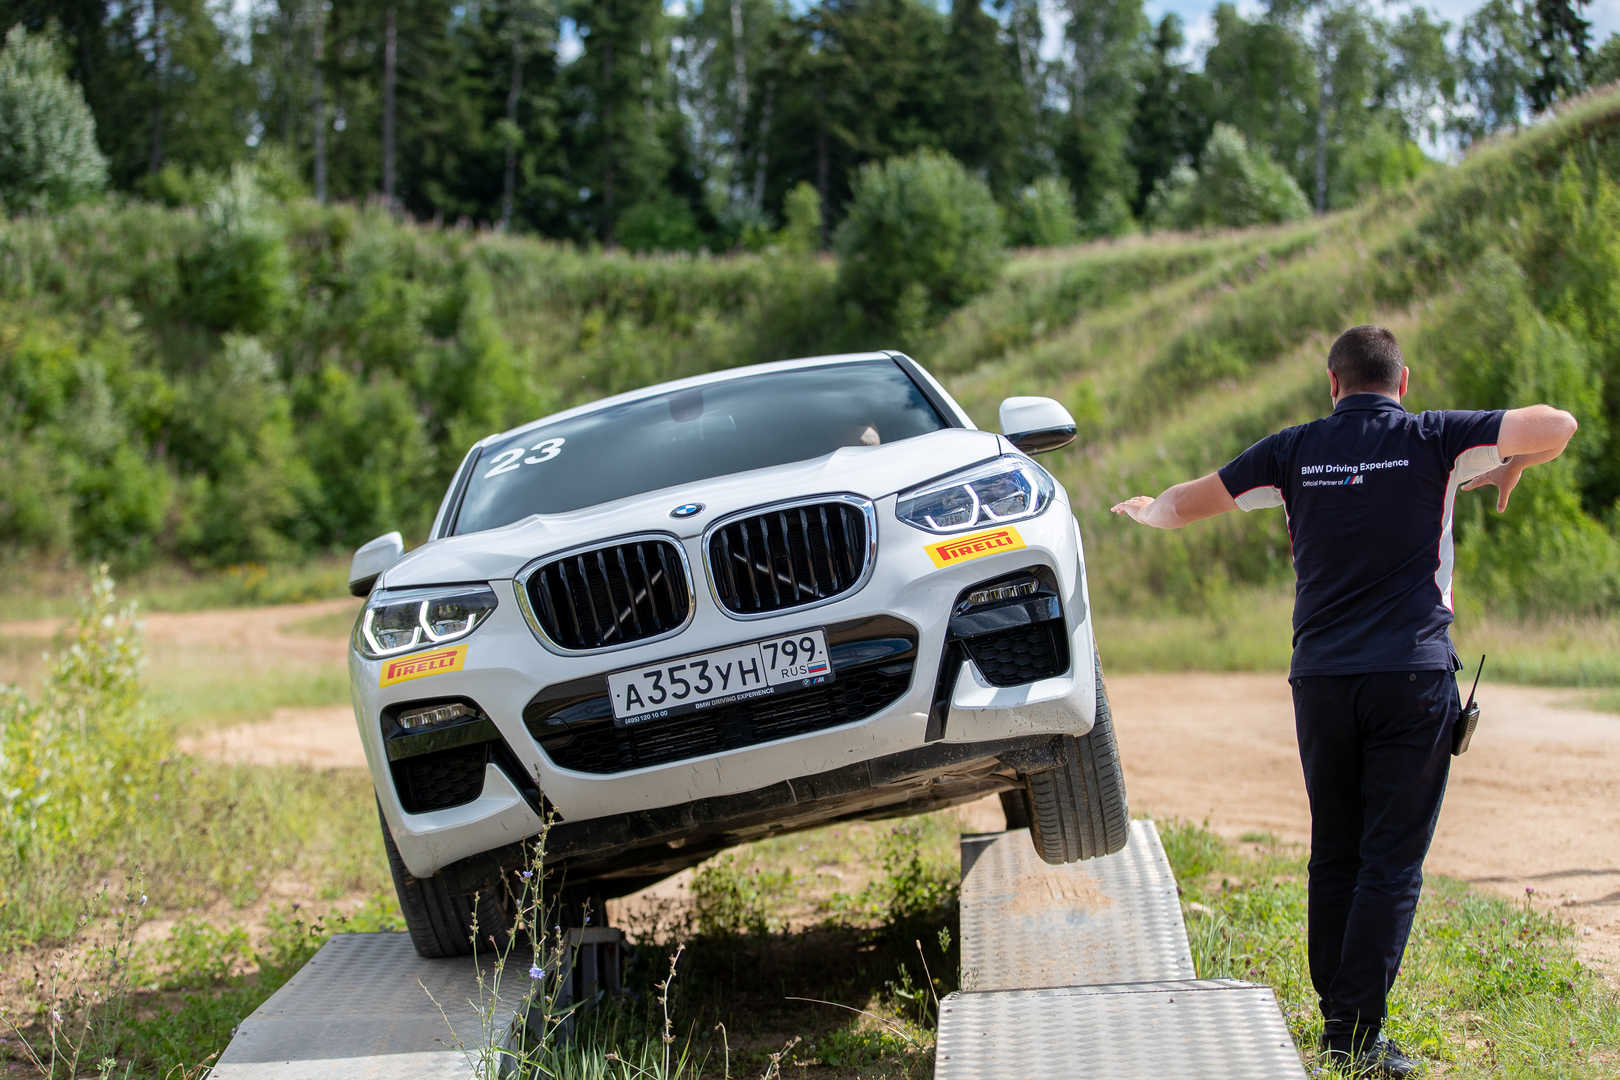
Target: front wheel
x: 441, y: 919
x: 1078, y: 810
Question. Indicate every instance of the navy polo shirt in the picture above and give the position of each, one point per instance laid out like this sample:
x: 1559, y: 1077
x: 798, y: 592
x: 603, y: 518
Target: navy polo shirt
x: 1368, y: 492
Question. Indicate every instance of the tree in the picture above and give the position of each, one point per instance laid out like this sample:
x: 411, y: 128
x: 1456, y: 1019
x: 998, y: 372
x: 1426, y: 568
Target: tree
x: 1172, y: 121
x: 1498, y: 60
x: 529, y: 29
x: 621, y: 81
x: 725, y: 49
x: 1043, y: 215
x: 1603, y: 67
x: 1105, y: 49
x: 1347, y: 49
x: 1563, y: 40
x: 1234, y: 186
x: 1423, y: 75
x: 48, y: 154
x: 1262, y: 82
x: 923, y: 236
x: 986, y: 121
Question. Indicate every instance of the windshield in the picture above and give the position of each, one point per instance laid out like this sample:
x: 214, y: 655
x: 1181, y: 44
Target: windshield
x: 695, y: 434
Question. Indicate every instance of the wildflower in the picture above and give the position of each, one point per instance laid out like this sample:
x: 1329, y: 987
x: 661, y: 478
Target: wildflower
x: 143, y: 899
x: 525, y: 874
x: 536, y: 971
x: 56, y: 1016
x: 1529, y: 891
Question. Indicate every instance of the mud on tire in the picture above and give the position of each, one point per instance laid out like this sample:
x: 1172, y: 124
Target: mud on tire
x: 1078, y: 810
x: 441, y: 919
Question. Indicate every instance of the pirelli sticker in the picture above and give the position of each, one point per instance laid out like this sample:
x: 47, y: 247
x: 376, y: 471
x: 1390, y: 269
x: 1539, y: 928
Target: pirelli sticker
x: 962, y: 548
x: 422, y: 665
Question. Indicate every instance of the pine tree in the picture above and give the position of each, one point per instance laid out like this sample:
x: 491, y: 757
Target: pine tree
x: 48, y: 154
x: 1563, y: 41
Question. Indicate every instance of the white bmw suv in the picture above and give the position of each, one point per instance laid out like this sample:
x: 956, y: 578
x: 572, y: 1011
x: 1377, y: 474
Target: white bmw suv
x: 723, y: 608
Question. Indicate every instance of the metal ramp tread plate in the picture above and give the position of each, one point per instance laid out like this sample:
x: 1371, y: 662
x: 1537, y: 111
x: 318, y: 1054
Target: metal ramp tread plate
x: 1192, y: 1029
x: 360, y: 1010
x: 1025, y: 924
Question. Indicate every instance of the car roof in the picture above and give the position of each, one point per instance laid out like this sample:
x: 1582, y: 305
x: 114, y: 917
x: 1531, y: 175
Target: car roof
x: 723, y: 375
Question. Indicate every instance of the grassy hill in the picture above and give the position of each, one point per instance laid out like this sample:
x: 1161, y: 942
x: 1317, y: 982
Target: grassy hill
x: 256, y: 381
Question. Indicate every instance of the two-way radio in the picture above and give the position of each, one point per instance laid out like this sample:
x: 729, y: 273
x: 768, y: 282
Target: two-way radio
x: 1468, y: 720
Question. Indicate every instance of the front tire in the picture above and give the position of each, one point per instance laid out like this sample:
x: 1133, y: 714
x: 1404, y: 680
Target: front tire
x: 1078, y: 810
x: 441, y: 919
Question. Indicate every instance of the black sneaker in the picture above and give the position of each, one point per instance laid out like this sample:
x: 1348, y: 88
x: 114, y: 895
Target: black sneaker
x: 1380, y: 1059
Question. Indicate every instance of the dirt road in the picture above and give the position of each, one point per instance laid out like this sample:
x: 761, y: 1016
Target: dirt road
x: 1535, y: 803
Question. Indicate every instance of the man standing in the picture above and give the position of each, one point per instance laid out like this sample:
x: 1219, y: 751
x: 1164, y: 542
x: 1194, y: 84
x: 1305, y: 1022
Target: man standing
x: 1368, y: 492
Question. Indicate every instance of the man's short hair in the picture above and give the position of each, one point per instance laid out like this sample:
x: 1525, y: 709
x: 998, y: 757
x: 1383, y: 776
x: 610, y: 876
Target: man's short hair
x: 1367, y: 360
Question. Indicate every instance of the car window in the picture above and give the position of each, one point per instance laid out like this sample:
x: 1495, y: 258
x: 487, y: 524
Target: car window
x: 695, y: 434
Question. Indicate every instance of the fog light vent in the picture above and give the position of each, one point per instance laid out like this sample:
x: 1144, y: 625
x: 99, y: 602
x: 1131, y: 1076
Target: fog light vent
x: 414, y: 720
x: 1011, y: 590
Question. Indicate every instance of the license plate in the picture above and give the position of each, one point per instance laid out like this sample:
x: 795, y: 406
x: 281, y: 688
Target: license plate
x: 709, y: 680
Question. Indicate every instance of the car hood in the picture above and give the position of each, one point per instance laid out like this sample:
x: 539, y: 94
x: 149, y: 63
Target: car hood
x: 872, y: 471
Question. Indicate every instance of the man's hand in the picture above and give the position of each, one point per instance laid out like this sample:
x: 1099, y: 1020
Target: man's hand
x: 1135, y: 508
x: 1505, y: 477
x: 1180, y: 505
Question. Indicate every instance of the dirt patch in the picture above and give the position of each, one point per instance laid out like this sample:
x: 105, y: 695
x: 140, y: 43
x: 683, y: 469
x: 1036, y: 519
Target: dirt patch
x: 249, y: 633
x: 323, y: 738
x: 1534, y: 805
x: 1044, y: 892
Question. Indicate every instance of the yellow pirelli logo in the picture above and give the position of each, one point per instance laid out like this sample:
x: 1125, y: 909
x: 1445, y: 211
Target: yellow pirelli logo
x: 963, y: 548
x: 422, y: 664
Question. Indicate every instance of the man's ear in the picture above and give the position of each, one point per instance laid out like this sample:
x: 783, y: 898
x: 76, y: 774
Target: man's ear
x: 1333, y: 384
x: 1405, y: 374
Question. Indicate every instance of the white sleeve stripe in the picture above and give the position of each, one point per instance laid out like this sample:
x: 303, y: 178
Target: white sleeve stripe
x: 1259, y: 498
x: 1474, y: 461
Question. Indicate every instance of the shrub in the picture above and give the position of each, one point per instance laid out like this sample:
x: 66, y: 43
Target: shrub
x: 801, y: 219
x: 76, y: 764
x: 1043, y: 215
x: 48, y: 153
x: 1234, y: 186
x: 241, y: 278
x: 920, y: 225
x: 661, y: 223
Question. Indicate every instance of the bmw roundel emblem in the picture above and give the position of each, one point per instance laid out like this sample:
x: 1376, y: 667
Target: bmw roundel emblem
x: 686, y: 510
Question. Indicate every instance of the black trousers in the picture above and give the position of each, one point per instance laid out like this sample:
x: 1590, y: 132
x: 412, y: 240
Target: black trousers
x: 1376, y: 750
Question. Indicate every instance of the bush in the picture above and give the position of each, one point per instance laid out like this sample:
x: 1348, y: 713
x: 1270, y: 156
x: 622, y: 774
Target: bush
x: 922, y: 236
x: 1234, y: 186
x: 76, y: 764
x: 241, y: 278
x: 1043, y: 215
x: 801, y: 219
x: 48, y: 153
x: 662, y: 223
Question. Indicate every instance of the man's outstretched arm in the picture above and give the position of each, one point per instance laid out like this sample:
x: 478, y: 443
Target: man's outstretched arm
x: 1181, y: 505
x: 1529, y: 436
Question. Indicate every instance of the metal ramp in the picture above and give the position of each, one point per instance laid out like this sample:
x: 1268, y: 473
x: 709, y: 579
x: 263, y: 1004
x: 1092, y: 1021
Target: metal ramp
x: 366, y: 1007
x: 1084, y: 971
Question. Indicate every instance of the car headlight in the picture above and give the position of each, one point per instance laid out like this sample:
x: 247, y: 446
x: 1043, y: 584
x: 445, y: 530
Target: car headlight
x: 399, y: 620
x: 1010, y: 488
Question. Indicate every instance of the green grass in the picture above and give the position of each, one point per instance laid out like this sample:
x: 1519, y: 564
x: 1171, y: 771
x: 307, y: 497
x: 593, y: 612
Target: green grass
x: 1489, y: 988
x: 205, y: 689
x: 35, y: 589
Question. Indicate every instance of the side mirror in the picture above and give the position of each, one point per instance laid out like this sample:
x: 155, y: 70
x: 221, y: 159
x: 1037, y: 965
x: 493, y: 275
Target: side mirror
x: 1036, y: 424
x: 372, y: 559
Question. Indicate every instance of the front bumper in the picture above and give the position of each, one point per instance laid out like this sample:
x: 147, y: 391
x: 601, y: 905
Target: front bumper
x: 947, y: 700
